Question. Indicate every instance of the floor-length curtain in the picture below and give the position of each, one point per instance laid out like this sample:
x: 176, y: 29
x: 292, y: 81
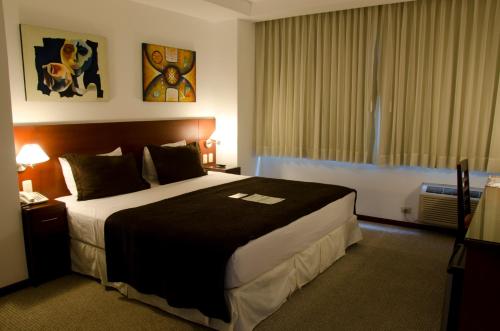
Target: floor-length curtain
x: 315, y: 87
x: 439, y: 83
x: 494, y: 155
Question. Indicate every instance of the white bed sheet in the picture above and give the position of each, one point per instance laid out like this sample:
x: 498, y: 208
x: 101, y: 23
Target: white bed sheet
x: 87, y: 218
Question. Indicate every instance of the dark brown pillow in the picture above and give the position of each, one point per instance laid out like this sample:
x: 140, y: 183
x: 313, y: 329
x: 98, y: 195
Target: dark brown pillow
x: 104, y: 176
x: 174, y: 164
x: 194, y: 144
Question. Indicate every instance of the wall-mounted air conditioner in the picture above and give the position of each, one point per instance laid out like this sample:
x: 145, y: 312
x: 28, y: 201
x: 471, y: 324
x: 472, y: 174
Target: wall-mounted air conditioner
x: 438, y: 204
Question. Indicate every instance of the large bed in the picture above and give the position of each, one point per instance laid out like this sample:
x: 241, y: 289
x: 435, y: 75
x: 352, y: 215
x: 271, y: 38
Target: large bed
x: 259, y: 276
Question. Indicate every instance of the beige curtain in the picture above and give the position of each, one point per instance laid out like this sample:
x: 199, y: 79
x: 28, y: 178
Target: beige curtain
x: 439, y: 83
x: 494, y: 156
x: 315, y: 85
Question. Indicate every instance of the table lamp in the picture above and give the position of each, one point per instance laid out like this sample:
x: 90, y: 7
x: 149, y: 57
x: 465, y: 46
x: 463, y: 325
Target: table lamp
x: 29, y: 155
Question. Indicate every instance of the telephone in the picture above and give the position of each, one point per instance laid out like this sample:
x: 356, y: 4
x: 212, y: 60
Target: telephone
x: 32, y: 197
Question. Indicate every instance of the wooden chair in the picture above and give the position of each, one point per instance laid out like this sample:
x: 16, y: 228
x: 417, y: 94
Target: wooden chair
x: 463, y: 200
x: 456, y: 265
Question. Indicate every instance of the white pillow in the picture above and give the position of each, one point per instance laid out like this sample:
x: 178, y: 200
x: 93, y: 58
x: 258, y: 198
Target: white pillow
x: 68, y: 174
x: 148, y: 167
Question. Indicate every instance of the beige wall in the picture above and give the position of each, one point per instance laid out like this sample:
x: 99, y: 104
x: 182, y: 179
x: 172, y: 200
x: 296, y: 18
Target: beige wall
x: 246, y: 96
x: 223, y: 89
x: 126, y: 25
x: 382, y: 191
x: 12, y: 258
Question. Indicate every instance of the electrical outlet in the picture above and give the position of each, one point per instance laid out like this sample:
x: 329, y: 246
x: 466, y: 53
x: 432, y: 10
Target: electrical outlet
x: 210, y: 157
x: 205, y: 159
x: 406, y: 210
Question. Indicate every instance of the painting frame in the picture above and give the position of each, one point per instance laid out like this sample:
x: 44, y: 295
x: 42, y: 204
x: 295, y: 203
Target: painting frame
x: 63, y: 66
x: 168, y: 74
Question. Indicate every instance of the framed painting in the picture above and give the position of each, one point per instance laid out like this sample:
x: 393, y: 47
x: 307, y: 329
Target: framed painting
x: 63, y: 66
x: 168, y: 74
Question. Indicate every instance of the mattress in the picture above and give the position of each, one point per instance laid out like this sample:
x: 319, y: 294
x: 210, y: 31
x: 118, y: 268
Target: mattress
x: 86, y: 221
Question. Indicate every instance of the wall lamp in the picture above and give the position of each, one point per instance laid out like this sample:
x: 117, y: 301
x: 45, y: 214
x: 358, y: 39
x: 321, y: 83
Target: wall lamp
x: 214, y: 138
x: 29, y: 155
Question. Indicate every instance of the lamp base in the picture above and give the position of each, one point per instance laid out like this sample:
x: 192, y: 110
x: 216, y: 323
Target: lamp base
x: 27, y: 185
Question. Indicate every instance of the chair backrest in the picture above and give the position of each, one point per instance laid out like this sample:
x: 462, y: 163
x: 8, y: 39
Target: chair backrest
x: 463, y: 199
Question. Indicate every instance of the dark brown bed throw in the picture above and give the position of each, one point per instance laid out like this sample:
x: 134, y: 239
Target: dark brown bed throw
x: 178, y: 248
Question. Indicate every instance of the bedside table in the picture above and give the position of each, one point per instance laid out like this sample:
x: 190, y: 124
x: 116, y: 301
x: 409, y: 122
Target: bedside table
x: 46, y: 239
x: 230, y: 170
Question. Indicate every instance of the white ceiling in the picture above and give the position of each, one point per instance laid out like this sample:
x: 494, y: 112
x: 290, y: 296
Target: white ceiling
x: 257, y: 10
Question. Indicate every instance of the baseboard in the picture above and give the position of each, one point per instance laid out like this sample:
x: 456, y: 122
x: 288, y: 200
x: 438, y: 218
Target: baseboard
x: 14, y: 287
x: 407, y: 224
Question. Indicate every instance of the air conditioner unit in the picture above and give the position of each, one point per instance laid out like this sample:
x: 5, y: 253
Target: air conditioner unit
x: 438, y: 204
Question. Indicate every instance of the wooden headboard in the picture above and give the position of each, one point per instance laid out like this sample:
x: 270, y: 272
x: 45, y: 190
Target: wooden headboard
x: 94, y: 138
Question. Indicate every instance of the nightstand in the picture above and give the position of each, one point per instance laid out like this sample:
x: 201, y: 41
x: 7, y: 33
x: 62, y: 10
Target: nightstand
x: 230, y: 170
x: 46, y: 239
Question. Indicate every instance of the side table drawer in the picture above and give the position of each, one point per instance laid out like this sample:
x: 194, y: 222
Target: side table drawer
x: 45, y: 224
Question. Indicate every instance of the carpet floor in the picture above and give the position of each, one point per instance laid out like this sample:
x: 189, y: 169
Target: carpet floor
x: 394, y: 279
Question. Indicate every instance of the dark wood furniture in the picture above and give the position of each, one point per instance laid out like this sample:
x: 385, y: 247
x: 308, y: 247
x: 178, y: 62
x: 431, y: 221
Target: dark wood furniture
x: 456, y: 264
x: 95, y: 138
x: 463, y: 196
x: 473, y: 292
x: 46, y: 239
x: 481, y: 288
x: 454, y: 288
x: 229, y: 170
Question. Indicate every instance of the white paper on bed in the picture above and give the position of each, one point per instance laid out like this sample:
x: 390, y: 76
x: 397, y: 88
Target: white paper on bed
x: 259, y: 198
x: 86, y: 223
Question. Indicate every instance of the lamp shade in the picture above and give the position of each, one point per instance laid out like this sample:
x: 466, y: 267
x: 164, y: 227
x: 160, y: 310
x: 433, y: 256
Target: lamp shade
x: 31, y: 154
x: 215, y: 136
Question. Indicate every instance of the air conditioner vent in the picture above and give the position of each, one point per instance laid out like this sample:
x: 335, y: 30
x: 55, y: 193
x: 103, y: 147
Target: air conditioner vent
x: 438, y: 204
x: 441, y: 190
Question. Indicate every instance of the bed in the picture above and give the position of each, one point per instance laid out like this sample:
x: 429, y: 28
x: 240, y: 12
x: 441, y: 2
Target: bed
x: 259, y: 275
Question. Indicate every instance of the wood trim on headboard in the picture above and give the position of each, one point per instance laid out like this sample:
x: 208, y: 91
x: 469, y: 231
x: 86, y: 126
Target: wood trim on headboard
x: 95, y: 138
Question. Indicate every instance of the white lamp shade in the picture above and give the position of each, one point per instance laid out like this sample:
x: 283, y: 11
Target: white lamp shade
x: 215, y: 136
x: 31, y: 154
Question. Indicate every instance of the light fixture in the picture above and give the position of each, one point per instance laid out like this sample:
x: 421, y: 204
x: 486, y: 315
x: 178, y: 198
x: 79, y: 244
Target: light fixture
x: 214, y: 138
x: 29, y: 155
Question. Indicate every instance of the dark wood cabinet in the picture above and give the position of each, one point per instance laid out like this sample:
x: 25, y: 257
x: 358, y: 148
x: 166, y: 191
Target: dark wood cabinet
x: 473, y: 291
x: 231, y: 170
x: 47, y: 241
x: 480, y: 303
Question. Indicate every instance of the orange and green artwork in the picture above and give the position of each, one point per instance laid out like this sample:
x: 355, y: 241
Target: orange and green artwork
x: 168, y: 74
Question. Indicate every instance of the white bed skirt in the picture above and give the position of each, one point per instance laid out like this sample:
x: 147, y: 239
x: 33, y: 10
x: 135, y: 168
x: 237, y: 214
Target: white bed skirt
x: 250, y: 303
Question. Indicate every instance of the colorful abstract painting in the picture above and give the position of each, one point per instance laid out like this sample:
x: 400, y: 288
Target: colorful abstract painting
x: 63, y: 66
x: 169, y: 74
